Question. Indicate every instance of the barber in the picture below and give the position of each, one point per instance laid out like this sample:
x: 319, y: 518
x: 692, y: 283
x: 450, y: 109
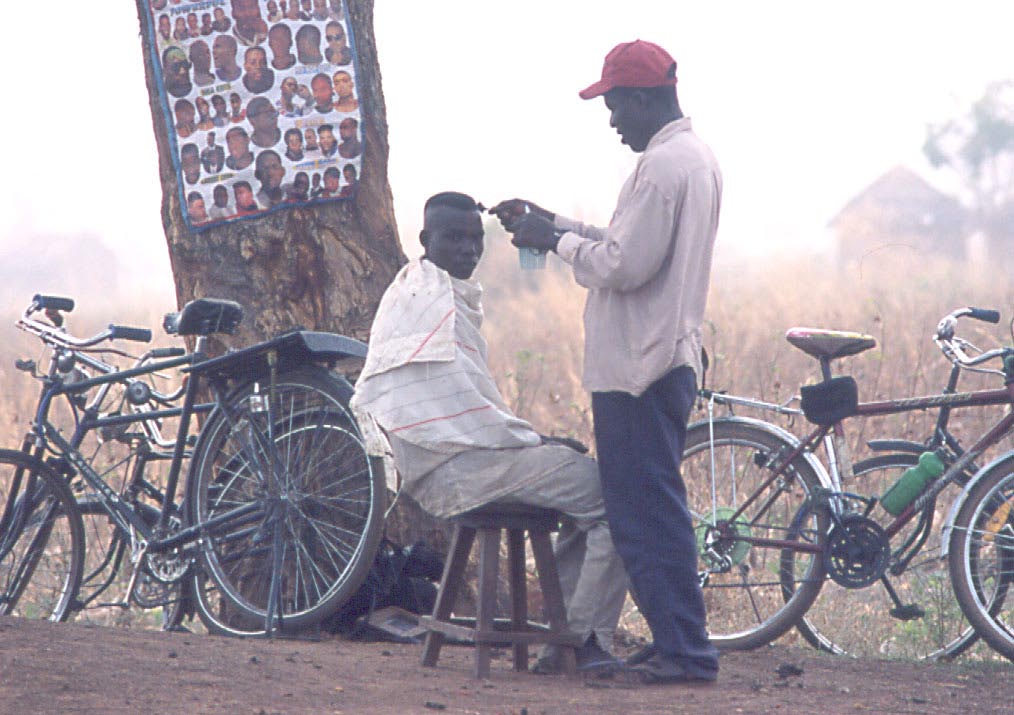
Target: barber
x: 647, y: 276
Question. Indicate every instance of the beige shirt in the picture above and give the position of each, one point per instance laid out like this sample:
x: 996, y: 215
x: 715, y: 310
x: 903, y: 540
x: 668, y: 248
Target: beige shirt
x: 647, y: 274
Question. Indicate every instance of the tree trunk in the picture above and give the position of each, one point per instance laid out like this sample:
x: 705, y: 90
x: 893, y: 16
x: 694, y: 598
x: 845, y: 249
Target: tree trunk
x: 321, y: 266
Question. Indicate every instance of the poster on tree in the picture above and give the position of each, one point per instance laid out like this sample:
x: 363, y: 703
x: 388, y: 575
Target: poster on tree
x: 261, y: 102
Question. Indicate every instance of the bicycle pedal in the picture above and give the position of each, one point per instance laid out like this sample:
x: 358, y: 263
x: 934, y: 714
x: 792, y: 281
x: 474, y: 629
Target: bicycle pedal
x: 907, y: 613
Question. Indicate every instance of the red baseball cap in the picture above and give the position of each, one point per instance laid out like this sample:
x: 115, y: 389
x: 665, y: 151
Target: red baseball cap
x: 633, y: 64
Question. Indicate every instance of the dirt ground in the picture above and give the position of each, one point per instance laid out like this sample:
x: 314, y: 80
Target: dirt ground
x: 70, y: 668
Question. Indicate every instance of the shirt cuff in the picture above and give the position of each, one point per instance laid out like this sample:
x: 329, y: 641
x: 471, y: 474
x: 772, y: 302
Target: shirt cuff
x: 567, y: 246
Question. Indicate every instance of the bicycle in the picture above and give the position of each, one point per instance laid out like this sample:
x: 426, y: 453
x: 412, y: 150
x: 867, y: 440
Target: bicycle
x: 931, y: 625
x: 281, y: 510
x: 773, y: 523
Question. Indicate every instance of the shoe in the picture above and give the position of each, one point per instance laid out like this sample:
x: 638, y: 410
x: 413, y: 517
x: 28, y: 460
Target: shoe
x: 640, y: 656
x: 591, y: 658
x: 660, y: 669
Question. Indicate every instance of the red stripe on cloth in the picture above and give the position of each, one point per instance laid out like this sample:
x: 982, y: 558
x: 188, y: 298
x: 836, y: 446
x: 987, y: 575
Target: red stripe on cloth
x: 445, y: 417
x: 432, y: 333
x: 467, y: 347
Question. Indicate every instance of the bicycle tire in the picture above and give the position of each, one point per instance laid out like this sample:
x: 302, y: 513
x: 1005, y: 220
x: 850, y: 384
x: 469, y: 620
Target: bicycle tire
x: 981, y: 557
x: 216, y: 613
x: 858, y: 622
x: 744, y: 596
x: 42, y: 540
x: 329, y: 510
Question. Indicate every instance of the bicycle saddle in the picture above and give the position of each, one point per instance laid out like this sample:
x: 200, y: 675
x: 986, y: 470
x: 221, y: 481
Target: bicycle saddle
x: 829, y: 344
x: 204, y: 316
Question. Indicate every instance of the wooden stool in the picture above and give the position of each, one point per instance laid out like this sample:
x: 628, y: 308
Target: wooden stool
x: 519, y: 632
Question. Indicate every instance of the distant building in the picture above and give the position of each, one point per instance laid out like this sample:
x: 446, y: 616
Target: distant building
x: 901, y: 212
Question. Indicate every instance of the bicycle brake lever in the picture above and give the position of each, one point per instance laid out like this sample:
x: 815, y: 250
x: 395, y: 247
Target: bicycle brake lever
x: 55, y: 317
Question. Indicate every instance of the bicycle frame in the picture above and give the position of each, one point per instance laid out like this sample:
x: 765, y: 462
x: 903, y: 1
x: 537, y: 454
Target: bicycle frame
x: 980, y: 398
x: 122, y: 514
x: 941, y: 437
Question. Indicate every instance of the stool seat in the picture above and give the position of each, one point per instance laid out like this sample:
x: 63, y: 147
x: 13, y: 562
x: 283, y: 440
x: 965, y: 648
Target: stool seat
x: 508, y: 515
x: 486, y: 632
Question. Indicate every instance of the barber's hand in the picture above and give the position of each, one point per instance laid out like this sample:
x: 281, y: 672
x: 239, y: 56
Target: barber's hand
x: 566, y: 442
x: 533, y: 231
x: 511, y: 210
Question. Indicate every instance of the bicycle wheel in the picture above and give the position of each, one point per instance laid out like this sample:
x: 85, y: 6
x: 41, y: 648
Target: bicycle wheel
x: 981, y: 557
x: 865, y: 622
x: 313, y: 502
x: 747, y: 604
x: 216, y: 613
x: 41, y: 540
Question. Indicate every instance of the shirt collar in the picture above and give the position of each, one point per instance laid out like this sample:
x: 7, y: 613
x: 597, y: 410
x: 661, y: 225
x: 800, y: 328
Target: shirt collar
x: 669, y: 131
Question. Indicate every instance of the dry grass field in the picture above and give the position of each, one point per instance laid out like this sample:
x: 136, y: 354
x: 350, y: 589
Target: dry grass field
x: 533, y: 325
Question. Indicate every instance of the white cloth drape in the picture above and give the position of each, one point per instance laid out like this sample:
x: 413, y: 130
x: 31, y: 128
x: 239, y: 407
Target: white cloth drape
x: 425, y: 380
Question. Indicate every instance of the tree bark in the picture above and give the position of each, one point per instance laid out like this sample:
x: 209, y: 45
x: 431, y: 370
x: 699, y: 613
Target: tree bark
x: 322, y: 266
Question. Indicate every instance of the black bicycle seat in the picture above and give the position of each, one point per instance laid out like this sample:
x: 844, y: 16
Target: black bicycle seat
x: 204, y: 316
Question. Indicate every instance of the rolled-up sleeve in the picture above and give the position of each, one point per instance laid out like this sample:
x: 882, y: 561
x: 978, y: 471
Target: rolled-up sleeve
x: 631, y: 251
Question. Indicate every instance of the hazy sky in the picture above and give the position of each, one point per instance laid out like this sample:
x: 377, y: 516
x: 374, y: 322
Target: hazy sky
x: 804, y: 103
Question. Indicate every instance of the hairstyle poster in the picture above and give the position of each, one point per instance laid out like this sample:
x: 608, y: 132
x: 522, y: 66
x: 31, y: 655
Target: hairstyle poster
x: 261, y: 101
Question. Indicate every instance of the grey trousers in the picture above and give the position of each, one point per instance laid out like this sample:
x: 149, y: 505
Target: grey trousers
x: 592, y: 575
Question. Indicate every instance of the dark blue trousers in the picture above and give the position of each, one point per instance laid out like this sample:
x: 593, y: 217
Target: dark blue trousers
x: 640, y: 444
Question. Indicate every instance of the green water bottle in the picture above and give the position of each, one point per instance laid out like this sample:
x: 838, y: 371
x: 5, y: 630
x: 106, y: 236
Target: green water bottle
x: 912, y: 483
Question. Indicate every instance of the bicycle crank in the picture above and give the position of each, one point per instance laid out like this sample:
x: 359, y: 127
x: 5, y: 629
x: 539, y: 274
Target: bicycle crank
x: 857, y: 551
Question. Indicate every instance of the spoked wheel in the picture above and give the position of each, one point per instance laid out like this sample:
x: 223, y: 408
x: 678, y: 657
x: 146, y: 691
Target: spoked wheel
x: 981, y: 557
x: 41, y: 540
x: 743, y: 581
x: 866, y: 622
x: 286, y: 490
x: 216, y: 613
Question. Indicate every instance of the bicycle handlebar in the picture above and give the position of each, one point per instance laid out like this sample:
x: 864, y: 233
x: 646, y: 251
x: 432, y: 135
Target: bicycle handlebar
x: 984, y: 314
x: 53, y: 302
x: 162, y: 353
x: 138, y: 335
x: 954, y: 348
x: 56, y: 335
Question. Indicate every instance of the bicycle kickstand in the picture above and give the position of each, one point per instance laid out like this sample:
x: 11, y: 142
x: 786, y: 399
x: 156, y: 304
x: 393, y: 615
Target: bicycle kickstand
x: 136, y: 558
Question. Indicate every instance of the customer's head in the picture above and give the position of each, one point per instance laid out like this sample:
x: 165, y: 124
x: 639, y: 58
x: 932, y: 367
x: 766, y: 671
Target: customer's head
x: 452, y: 233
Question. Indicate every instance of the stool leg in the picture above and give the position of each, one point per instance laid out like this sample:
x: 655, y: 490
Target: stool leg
x: 454, y: 571
x: 519, y: 593
x: 552, y: 594
x: 489, y: 556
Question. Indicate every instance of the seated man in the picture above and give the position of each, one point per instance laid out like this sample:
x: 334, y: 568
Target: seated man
x: 456, y: 444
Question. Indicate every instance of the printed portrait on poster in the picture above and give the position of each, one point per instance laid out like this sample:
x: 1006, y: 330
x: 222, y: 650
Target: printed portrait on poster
x: 262, y: 103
